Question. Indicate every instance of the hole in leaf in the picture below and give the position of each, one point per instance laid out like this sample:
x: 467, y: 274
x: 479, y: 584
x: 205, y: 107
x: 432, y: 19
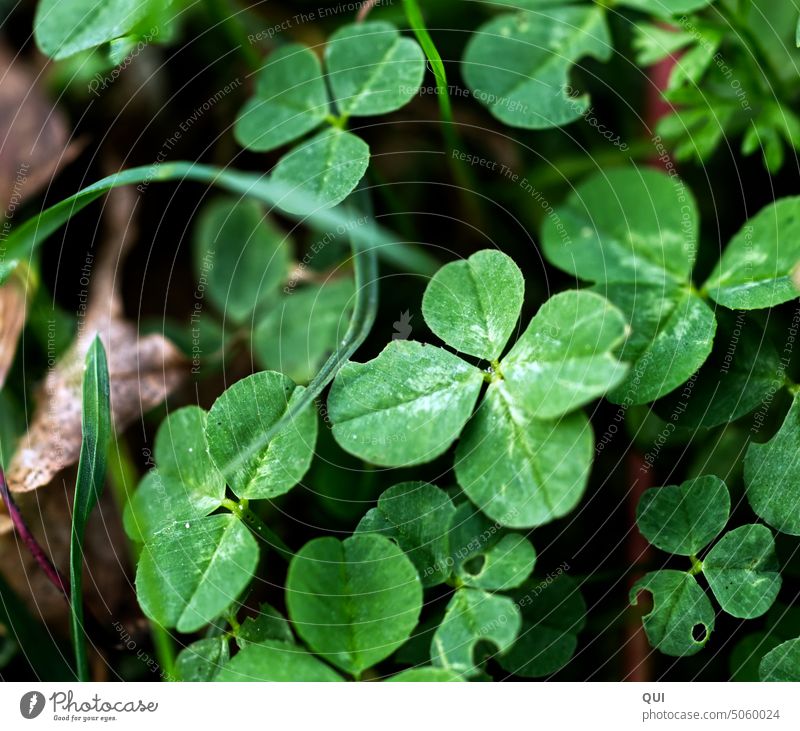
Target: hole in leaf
x: 474, y: 565
x: 699, y: 632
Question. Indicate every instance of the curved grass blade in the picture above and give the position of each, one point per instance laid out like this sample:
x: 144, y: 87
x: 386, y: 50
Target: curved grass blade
x: 365, y: 267
x: 21, y: 242
x: 96, y: 430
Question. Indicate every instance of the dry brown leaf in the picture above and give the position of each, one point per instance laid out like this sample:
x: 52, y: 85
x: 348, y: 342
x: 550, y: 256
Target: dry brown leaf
x: 143, y: 370
x: 34, y: 135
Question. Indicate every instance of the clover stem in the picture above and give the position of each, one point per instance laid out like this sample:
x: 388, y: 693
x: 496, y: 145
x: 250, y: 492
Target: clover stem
x: 697, y: 566
x: 242, y: 511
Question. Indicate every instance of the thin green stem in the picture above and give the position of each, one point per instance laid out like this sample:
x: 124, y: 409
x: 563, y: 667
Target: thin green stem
x: 122, y: 476
x: 227, y: 19
x: 251, y: 519
x: 697, y: 566
x: 417, y: 22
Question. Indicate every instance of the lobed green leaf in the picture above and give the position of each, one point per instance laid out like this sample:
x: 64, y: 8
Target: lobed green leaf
x: 684, y: 519
x: 237, y: 423
x: 354, y: 602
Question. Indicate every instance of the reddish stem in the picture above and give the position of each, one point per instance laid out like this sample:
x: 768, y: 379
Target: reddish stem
x: 22, y: 530
x: 365, y: 9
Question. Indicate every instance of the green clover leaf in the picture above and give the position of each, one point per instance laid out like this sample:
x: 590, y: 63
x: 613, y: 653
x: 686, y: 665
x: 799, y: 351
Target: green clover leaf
x: 684, y: 519
x: 564, y: 358
x: 682, y: 617
x: 185, y: 484
x: 781, y: 665
x: 523, y: 472
x: 474, y: 616
x: 553, y: 614
x: 518, y: 64
x: 372, y: 69
x: 416, y: 516
x: 276, y: 662
x: 354, y: 602
x: 485, y: 291
x: 298, y: 333
x: 202, y: 660
x: 406, y: 406
x: 236, y: 425
x: 240, y: 256
x: 772, y: 475
x: 486, y: 557
x: 290, y: 100
x: 742, y: 571
x: 321, y: 171
x: 756, y: 268
x: 188, y: 574
x: 634, y: 232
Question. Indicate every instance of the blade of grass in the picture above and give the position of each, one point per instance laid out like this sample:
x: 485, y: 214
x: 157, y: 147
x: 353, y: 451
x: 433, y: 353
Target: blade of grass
x: 365, y: 266
x: 22, y: 241
x: 96, y: 431
x: 461, y: 174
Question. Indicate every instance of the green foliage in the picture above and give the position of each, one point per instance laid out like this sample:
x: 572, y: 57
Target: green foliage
x: 95, y: 437
x: 290, y: 100
x: 682, y: 618
x: 237, y: 424
x: 240, y: 257
x: 741, y: 568
x: 191, y: 573
x: 409, y: 404
x: 486, y: 557
x: 324, y: 169
x: 772, y: 477
x: 354, y: 601
x: 755, y: 270
x: 683, y: 519
x: 276, y: 662
x: 781, y: 665
x: 303, y: 328
x: 437, y: 585
x: 474, y: 618
x: 742, y: 571
x: 416, y: 516
x: 518, y: 64
x: 63, y: 28
x: 485, y: 290
x: 641, y: 257
x: 371, y: 70
x: 201, y: 661
x: 185, y: 484
x: 406, y: 406
x: 553, y: 614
